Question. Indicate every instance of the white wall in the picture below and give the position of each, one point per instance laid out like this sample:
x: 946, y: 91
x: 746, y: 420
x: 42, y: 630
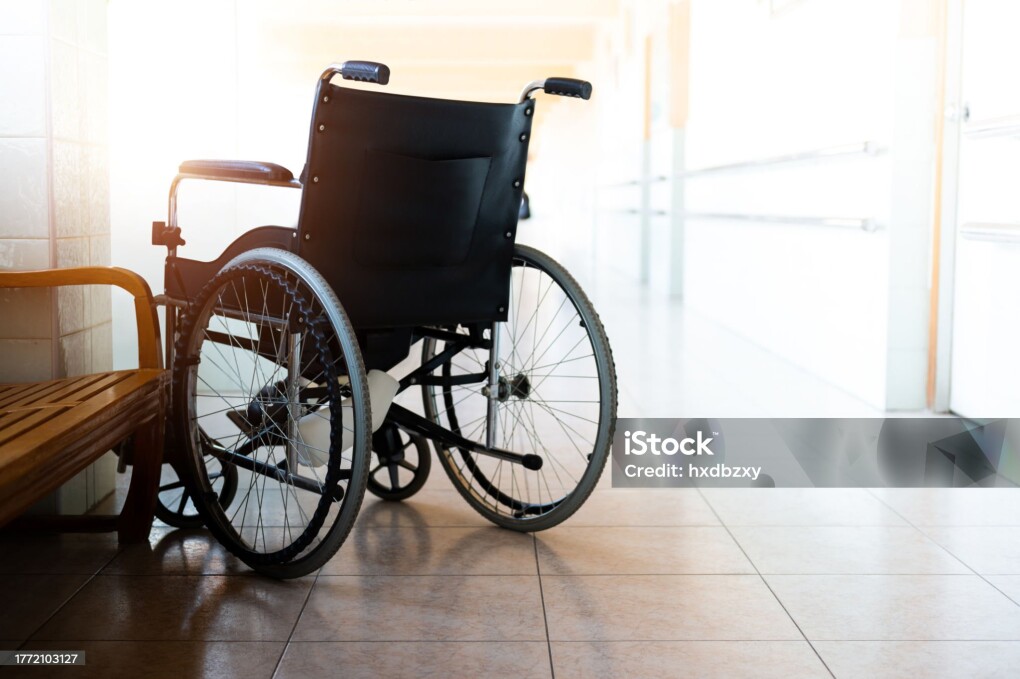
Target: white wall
x: 847, y: 305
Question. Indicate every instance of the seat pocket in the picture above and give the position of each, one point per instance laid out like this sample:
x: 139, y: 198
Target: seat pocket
x: 415, y: 212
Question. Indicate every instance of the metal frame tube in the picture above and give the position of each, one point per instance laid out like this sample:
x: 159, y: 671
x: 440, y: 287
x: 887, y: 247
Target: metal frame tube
x: 293, y: 397
x: 491, y: 419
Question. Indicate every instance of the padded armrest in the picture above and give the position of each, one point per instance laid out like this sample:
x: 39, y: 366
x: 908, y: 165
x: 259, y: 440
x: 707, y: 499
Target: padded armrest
x: 237, y: 170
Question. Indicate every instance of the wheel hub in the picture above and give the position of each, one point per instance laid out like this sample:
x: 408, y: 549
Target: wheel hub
x: 269, y: 407
x: 518, y: 387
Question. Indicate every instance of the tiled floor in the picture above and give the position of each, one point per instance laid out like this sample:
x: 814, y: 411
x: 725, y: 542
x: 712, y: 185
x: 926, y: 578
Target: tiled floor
x: 654, y: 583
x: 780, y: 582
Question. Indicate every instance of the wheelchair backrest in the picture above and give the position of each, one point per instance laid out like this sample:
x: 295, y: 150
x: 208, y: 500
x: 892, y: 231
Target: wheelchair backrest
x: 410, y: 204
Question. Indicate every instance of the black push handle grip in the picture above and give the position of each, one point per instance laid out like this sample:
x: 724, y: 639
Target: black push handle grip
x: 365, y: 71
x: 568, y: 87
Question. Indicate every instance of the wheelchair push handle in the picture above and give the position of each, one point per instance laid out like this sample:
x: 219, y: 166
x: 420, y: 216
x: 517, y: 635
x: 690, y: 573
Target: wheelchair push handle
x: 564, y: 87
x: 568, y: 87
x: 362, y: 71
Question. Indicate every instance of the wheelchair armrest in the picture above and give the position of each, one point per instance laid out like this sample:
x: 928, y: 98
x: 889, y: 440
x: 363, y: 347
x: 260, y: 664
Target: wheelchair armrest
x: 237, y: 171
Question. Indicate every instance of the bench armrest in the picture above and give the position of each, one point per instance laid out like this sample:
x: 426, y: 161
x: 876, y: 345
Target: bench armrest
x: 145, y: 309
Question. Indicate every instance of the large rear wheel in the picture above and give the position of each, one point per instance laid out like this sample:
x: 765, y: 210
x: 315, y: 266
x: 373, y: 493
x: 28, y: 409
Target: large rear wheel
x: 269, y: 381
x: 555, y: 397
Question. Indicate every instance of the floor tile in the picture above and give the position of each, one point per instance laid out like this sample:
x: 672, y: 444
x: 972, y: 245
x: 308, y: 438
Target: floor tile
x: 663, y: 607
x: 993, y: 550
x: 423, y: 608
x: 56, y: 553
x: 845, y: 549
x: 172, y: 551
x: 701, y: 659
x: 800, y: 507
x: 897, y: 607
x: 954, y: 506
x: 212, y: 608
x: 425, y: 508
x: 912, y: 659
x: 404, y: 550
x: 29, y: 600
x: 152, y: 659
x: 644, y: 507
x: 397, y: 660
x: 591, y: 550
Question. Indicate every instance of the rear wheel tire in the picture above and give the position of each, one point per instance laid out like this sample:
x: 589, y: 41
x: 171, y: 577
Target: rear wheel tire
x: 556, y: 399
x: 265, y: 352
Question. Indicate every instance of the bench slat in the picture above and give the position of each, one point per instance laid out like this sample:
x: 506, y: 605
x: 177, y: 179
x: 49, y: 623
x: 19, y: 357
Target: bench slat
x: 24, y: 420
x: 68, y: 385
x: 52, y: 441
x: 37, y: 391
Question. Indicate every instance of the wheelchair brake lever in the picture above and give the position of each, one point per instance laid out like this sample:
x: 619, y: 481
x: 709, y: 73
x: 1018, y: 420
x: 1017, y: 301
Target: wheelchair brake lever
x: 170, y: 236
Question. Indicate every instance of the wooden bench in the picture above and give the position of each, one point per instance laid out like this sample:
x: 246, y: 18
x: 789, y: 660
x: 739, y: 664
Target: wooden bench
x: 50, y: 431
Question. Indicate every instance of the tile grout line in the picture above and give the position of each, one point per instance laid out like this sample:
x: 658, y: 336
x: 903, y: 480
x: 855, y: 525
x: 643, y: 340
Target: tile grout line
x: 73, y: 594
x: 943, y: 547
x: 286, y: 645
x: 545, y: 616
x: 767, y: 585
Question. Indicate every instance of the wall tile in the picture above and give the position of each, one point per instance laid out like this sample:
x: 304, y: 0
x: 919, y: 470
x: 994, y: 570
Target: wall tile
x: 72, y: 498
x: 99, y: 250
x: 75, y: 354
x: 23, y: 104
x: 26, y: 313
x: 93, y: 87
x: 92, y: 25
x: 64, y: 20
x: 105, y: 470
x: 24, y: 254
x: 72, y: 309
x: 96, y: 184
x: 66, y: 91
x: 101, y: 304
x: 25, y: 360
x: 102, y: 347
x: 24, y: 203
x: 18, y: 17
x: 67, y: 189
x: 72, y: 252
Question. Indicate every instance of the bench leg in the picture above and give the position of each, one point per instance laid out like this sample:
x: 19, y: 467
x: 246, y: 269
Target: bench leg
x: 135, y: 520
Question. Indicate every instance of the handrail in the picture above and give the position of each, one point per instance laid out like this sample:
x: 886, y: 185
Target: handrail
x: 636, y: 182
x: 634, y: 211
x: 867, y: 148
x: 1000, y: 126
x: 991, y: 232
x: 869, y: 225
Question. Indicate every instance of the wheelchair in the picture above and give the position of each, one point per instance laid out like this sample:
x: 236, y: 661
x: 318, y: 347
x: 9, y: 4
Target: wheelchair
x: 282, y: 350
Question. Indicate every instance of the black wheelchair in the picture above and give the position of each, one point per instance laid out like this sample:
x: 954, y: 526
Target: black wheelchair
x: 281, y: 349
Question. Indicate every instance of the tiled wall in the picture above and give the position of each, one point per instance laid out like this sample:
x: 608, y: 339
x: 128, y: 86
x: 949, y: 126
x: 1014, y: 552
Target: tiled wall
x: 55, y: 200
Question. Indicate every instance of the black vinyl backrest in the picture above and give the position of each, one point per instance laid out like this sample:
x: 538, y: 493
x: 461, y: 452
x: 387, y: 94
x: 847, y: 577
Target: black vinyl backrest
x: 410, y: 204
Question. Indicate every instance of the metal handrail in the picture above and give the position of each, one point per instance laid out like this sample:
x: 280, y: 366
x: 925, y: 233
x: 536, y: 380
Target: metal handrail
x: 867, y: 148
x: 866, y: 224
x: 1001, y: 126
x: 991, y: 232
x: 636, y: 182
